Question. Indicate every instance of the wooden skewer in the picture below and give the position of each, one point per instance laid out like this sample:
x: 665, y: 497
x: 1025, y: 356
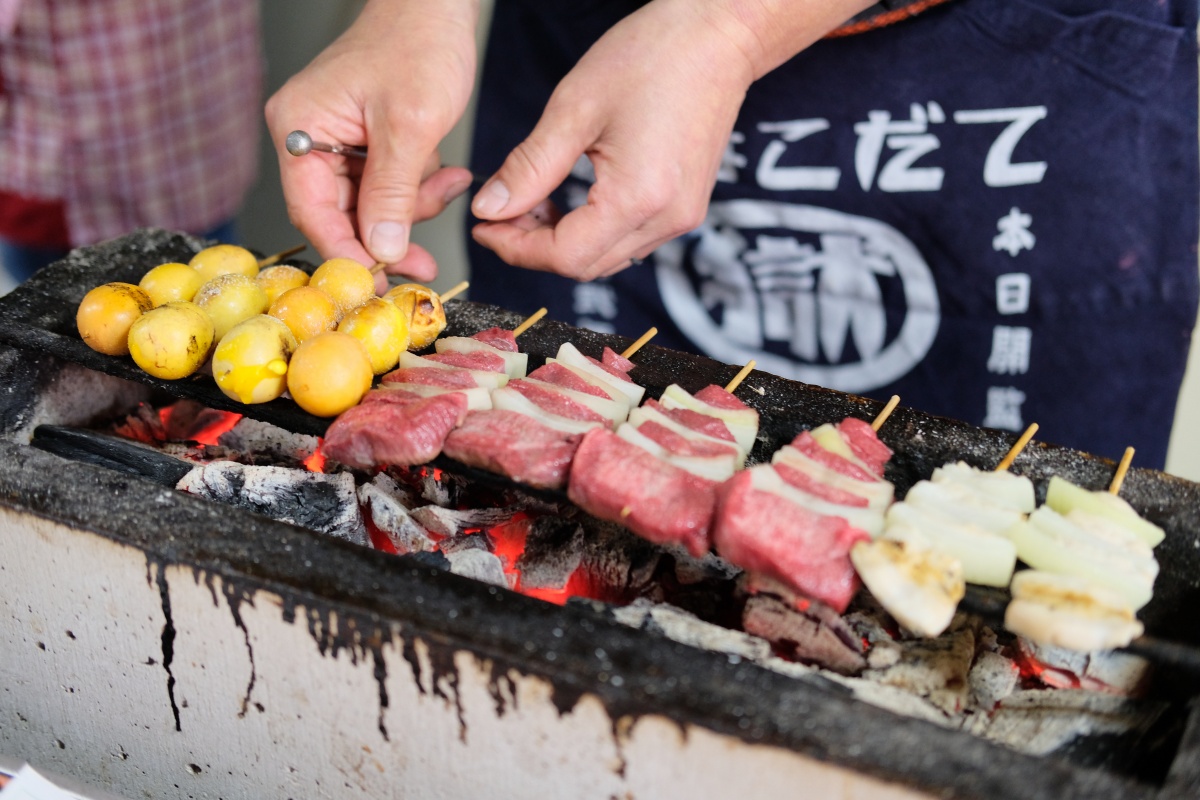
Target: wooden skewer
x: 1122, y: 469
x: 1007, y: 461
x: 280, y: 256
x: 377, y: 267
x: 641, y: 340
x: 454, y: 291
x: 741, y: 376
x: 528, y: 323
x: 885, y: 412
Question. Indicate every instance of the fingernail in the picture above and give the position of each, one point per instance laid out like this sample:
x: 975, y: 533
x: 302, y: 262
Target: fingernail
x: 491, y: 199
x: 456, y: 189
x: 389, y: 241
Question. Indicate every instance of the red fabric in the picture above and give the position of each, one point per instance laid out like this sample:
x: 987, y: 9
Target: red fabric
x: 32, y: 222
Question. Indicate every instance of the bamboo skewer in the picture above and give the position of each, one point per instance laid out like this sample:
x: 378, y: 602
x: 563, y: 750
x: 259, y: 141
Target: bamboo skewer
x: 280, y: 256
x: 377, y: 267
x: 741, y: 376
x: 529, y: 322
x: 1122, y: 469
x: 1007, y: 461
x: 454, y: 291
x: 641, y: 340
x: 885, y: 413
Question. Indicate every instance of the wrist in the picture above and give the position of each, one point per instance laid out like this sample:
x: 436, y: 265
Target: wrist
x: 769, y: 32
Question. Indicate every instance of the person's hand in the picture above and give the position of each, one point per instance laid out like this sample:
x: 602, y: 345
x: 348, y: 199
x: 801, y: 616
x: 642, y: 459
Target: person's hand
x: 397, y: 80
x: 652, y: 105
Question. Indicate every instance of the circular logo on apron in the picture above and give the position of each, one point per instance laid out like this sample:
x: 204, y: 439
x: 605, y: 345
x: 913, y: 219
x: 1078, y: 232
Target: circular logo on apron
x: 811, y: 294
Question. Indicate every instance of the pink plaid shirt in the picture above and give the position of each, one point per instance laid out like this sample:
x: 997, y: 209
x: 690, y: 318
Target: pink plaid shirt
x: 131, y: 112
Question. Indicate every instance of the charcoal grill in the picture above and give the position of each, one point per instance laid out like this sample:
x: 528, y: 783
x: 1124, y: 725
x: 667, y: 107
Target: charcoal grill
x: 157, y: 642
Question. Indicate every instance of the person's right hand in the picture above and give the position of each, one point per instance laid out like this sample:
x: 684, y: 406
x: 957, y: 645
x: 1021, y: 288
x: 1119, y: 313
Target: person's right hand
x: 397, y: 80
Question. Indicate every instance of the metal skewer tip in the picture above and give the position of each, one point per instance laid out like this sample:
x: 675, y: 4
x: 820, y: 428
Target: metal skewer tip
x: 299, y: 143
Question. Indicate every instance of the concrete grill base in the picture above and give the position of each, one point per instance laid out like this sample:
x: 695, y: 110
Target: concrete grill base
x: 165, y: 681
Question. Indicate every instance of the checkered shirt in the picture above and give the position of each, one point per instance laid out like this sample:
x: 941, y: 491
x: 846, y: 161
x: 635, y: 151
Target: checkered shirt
x: 131, y: 112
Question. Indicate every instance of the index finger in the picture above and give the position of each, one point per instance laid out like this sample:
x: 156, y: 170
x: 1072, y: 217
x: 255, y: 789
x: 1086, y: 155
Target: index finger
x: 319, y: 205
x: 572, y: 247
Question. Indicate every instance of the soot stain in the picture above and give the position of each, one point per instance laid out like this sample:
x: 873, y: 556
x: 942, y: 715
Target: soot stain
x: 498, y: 680
x: 359, y: 638
x: 441, y: 660
x: 168, y: 635
x: 234, y: 598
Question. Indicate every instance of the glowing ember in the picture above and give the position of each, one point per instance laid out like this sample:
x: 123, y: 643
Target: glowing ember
x: 222, y: 422
x: 316, y: 463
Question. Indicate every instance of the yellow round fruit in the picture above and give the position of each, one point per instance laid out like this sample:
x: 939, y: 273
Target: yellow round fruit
x: 229, y: 299
x: 348, y: 282
x: 224, y: 259
x: 106, y: 314
x: 422, y: 307
x: 306, y: 310
x: 172, y: 281
x: 277, y: 280
x: 251, y: 362
x: 329, y: 373
x: 171, y: 341
x: 382, y: 329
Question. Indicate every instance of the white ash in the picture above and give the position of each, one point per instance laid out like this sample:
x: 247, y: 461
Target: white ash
x: 685, y: 628
x: 453, y: 522
x: 1108, y: 670
x: 386, y: 511
x: 77, y: 396
x: 896, y: 699
x: 935, y: 669
x: 472, y: 562
x: 882, y: 650
x: 437, y: 489
x: 1041, y: 721
x: 324, y: 503
x: 269, y: 442
x: 991, y: 679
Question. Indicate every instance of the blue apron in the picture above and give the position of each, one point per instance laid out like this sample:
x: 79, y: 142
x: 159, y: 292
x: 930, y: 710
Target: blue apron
x: 990, y: 209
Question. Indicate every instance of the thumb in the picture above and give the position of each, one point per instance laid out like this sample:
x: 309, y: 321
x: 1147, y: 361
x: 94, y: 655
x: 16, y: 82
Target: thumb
x: 387, y: 195
x: 534, y: 169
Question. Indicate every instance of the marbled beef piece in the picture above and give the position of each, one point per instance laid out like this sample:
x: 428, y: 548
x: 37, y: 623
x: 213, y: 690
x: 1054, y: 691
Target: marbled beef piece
x: 559, y: 375
x: 555, y: 402
x: 432, y: 376
x: 679, y: 445
x: 864, y: 442
x: 807, y: 483
x: 717, y: 397
x: 620, y: 482
x: 488, y: 362
x: 809, y: 446
x: 614, y: 360
x: 499, y: 338
x: 694, y: 420
x: 390, y: 428
x: 614, y: 364
x: 809, y: 553
x: 514, y: 445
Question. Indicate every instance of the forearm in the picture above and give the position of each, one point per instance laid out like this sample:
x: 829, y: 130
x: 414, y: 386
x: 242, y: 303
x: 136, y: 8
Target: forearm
x: 769, y: 32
